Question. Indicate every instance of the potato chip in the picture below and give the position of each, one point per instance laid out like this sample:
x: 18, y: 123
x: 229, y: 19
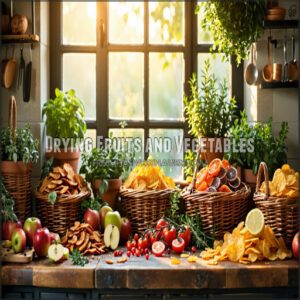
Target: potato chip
x: 184, y: 255
x: 192, y: 259
x: 252, y: 257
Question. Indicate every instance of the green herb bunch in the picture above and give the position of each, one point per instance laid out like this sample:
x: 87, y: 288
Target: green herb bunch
x: 266, y: 146
x: 65, y: 116
x: 233, y: 24
x: 24, y: 149
x: 78, y: 259
x: 209, y: 109
x: 7, y: 204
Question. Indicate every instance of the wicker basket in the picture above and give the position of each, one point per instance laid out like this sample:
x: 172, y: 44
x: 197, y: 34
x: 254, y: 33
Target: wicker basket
x: 280, y: 213
x: 144, y: 208
x: 219, y: 212
x: 17, y: 175
x: 63, y: 213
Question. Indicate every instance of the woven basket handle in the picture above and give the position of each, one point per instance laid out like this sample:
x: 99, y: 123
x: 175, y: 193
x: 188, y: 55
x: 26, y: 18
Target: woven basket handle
x: 196, y: 168
x: 12, y: 120
x: 263, y: 170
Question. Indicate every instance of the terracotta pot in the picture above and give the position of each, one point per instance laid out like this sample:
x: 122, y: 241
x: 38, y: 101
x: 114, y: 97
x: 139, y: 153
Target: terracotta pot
x: 248, y: 176
x: 17, y: 180
x: 208, y: 153
x: 111, y: 194
x: 69, y: 156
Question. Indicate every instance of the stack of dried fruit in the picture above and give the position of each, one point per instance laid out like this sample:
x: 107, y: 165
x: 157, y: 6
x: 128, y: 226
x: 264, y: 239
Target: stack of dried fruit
x: 81, y: 236
x: 218, y: 176
x: 63, y: 181
x: 249, y: 243
x: 148, y: 176
x: 284, y: 184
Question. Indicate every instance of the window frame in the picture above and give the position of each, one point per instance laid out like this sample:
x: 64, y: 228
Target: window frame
x: 190, y: 50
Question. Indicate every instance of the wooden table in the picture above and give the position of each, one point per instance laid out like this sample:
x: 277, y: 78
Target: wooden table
x: 155, y: 274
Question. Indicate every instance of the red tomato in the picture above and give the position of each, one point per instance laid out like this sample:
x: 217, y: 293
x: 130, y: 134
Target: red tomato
x: 158, y: 248
x: 169, y: 235
x: 129, y: 245
x: 143, y: 243
x: 178, y: 245
x: 214, y: 167
x: 161, y: 223
x: 185, y: 233
x: 136, y: 237
x: 137, y: 252
x: 194, y: 249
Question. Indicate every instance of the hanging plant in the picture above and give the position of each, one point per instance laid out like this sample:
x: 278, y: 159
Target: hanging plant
x: 233, y: 24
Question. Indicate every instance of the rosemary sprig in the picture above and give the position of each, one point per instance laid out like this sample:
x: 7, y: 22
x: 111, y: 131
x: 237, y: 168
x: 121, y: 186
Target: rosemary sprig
x: 78, y: 258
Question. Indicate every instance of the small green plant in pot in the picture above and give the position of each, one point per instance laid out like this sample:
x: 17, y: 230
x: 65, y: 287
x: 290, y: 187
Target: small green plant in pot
x: 210, y: 112
x: 66, y: 125
x: 256, y: 143
x: 103, y: 168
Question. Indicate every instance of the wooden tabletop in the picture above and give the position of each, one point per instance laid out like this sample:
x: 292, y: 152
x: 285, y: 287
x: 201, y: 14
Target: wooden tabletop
x: 157, y: 273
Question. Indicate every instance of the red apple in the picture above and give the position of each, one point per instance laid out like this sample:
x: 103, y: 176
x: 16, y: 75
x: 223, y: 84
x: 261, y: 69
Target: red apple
x: 30, y: 227
x: 92, y: 217
x: 18, y: 240
x: 54, y: 238
x: 295, y: 245
x: 41, y: 241
x: 8, y: 228
x: 126, y: 230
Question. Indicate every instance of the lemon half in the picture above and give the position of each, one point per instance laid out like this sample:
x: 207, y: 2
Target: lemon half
x: 255, y: 221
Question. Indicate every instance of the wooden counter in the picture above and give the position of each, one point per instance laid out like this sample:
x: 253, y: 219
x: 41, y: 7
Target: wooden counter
x: 157, y: 273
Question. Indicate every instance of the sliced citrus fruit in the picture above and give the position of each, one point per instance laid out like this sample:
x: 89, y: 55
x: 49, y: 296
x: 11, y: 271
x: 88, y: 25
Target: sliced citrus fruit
x: 214, y: 167
x: 255, y: 222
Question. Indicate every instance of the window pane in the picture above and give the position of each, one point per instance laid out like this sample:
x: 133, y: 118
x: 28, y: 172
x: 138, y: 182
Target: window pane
x: 126, y: 85
x: 220, y: 69
x: 166, y: 22
x: 166, y: 85
x: 171, y: 157
x: 126, y: 22
x: 204, y: 37
x: 137, y: 135
x: 79, y: 73
x: 79, y: 23
x: 90, y: 139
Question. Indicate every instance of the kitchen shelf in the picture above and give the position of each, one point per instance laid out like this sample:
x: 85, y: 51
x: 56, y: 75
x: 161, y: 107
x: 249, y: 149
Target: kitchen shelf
x: 20, y: 38
x: 280, y: 24
x: 279, y: 85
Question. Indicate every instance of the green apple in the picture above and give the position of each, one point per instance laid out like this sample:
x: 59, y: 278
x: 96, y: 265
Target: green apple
x: 113, y: 218
x: 103, y: 211
x: 66, y: 253
x: 111, y: 236
x: 18, y: 240
x: 56, y: 252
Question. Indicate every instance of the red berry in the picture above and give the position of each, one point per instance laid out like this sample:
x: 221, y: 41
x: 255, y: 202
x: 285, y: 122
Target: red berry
x: 169, y: 251
x: 116, y: 253
x: 128, y: 253
x: 120, y: 252
x: 194, y: 249
x: 137, y: 252
x: 133, y: 250
x: 147, y: 256
x: 146, y: 251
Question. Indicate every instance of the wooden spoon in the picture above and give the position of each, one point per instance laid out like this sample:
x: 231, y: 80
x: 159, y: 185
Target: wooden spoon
x: 9, y: 72
x: 267, y: 71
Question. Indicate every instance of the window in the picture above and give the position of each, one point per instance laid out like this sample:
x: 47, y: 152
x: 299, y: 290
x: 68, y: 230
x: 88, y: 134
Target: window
x: 130, y: 61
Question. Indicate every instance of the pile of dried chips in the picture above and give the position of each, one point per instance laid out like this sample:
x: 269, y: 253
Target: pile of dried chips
x: 243, y: 247
x: 285, y: 183
x: 148, y: 176
x: 81, y: 236
x: 63, y: 180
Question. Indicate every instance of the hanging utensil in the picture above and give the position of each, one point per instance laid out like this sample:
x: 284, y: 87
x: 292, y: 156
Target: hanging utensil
x: 9, y: 71
x: 285, y: 66
x: 21, y: 68
x: 251, y: 73
x: 293, y: 65
x: 27, y: 80
x: 267, y: 71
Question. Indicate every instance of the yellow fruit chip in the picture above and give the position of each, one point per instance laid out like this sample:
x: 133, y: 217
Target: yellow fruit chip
x: 175, y: 261
x: 184, y: 255
x: 192, y: 259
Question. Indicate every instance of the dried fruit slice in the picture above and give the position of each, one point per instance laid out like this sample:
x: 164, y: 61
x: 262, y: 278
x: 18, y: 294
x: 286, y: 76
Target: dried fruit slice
x: 255, y: 222
x: 231, y: 174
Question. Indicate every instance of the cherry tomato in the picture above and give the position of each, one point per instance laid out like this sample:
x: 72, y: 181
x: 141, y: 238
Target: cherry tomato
x: 215, y: 167
x: 178, y: 245
x: 185, y: 233
x: 161, y: 223
x: 136, y: 237
x: 137, y: 252
x: 147, y: 256
x: 224, y: 189
x: 128, y: 253
x: 169, y: 235
x: 128, y: 245
x: 133, y: 250
x: 194, y: 249
x: 120, y: 253
x: 142, y: 243
x: 158, y: 248
x: 146, y: 250
x: 116, y: 253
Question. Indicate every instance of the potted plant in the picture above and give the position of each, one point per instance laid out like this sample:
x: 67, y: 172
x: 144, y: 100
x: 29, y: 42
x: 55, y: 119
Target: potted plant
x: 103, y: 168
x: 18, y: 150
x: 261, y: 145
x: 210, y: 112
x: 65, y: 122
x: 234, y: 25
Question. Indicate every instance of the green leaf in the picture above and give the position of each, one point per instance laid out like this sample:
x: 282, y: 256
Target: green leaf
x: 52, y: 196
